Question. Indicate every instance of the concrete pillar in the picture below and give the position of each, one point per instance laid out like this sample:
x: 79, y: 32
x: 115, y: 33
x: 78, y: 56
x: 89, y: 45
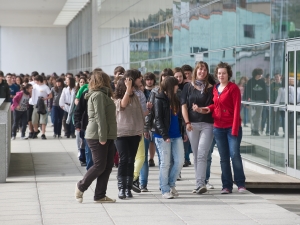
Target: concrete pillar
x: 5, y: 138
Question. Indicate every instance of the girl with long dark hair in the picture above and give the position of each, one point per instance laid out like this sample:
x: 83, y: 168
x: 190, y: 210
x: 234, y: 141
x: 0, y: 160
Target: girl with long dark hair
x: 168, y: 136
x: 130, y: 123
x: 65, y: 101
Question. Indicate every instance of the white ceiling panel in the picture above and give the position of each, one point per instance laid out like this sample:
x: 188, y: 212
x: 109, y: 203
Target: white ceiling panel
x: 30, y: 13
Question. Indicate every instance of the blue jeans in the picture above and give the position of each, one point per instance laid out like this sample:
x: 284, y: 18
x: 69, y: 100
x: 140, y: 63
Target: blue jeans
x: 187, y: 150
x: 57, y: 113
x: 265, y: 119
x: 209, y: 159
x: 88, y: 156
x: 171, y: 161
x: 229, y: 147
x: 144, y: 173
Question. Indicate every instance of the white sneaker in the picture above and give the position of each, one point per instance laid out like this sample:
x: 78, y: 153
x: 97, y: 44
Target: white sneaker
x: 174, y: 192
x: 13, y: 138
x: 78, y: 194
x: 167, y: 195
x: 209, y: 186
x: 194, y: 191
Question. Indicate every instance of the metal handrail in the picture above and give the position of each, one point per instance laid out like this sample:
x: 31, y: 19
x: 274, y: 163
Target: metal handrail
x: 264, y: 104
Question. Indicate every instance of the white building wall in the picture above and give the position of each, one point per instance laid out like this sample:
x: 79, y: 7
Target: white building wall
x: 26, y: 49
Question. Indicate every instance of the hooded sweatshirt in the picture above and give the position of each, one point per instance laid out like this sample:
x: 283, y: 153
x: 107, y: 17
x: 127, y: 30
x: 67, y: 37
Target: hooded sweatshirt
x: 102, y: 115
x: 256, y: 90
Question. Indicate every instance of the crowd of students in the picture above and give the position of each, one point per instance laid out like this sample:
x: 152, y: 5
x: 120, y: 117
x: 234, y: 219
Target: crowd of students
x: 120, y: 122
x: 186, y: 110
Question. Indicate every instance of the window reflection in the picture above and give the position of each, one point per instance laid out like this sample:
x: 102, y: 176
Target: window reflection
x: 253, y: 21
x: 160, y: 34
x: 285, y: 19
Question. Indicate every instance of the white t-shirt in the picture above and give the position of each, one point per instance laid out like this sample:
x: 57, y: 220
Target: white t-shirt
x: 39, y: 91
x: 30, y: 100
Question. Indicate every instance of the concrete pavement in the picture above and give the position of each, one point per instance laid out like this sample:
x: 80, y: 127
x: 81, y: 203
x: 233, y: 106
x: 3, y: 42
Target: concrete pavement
x: 43, y: 173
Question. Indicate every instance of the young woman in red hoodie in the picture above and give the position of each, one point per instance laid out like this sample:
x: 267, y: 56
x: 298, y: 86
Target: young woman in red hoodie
x: 227, y: 128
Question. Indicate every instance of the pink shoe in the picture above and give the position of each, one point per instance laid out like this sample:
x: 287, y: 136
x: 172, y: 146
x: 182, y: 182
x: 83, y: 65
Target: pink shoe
x: 242, y: 189
x: 226, y: 191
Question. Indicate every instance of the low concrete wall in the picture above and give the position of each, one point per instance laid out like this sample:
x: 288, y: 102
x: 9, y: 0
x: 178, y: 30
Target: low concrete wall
x: 5, y: 138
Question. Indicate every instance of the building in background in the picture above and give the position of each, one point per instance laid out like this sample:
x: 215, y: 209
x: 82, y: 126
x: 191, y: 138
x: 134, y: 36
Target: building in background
x: 247, y: 34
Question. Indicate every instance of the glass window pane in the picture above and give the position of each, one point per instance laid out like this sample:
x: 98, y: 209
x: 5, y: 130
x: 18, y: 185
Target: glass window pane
x: 298, y: 139
x: 291, y: 137
x: 277, y: 150
x: 277, y: 72
x: 285, y: 19
x: 297, y: 85
x: 291, y: 58
x: 253, y: 22
x: 254, y: 64
x: 256, y: 147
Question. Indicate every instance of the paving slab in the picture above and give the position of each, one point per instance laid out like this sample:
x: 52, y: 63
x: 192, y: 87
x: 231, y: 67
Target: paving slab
x: 40, y: 190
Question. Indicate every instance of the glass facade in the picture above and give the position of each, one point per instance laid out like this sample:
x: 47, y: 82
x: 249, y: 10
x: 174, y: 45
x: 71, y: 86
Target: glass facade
x: 79, y: 41
x: 247, y: 34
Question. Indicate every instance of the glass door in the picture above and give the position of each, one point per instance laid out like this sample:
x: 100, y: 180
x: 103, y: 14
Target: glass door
x: 292, y: 113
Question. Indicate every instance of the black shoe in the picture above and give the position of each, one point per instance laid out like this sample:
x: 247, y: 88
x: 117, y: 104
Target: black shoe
x: 136, y: 186
x: 186, y: 164
x: 54, y: 135
x: 43, y: 137
x: 151, y: 163
x: 35, y: 134
x: 189, y: 163
x: 58, y: 136
x: 121, y: 194
x: 82, y: 163
x: 144, y: 189
x: 73, y: 135
x: 128, y: 193
x: 255, y: 133
x: 30, y: 135
x: 276, y: 134
x: 122, y: 182
x: 179, y: 176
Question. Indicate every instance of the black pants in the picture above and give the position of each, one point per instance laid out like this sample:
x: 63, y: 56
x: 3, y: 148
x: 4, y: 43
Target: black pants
x: 127, y: 148
x: 69, y: 128
x: 17, y: 117
x: 103, y: 157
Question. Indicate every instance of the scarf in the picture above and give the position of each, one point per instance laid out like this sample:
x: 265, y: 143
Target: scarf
x: 201, y: 85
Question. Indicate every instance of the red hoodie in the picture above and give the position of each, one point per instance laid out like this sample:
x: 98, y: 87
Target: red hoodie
x: 226, y: 108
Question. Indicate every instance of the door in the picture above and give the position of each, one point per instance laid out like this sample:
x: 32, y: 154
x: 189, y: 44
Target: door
x: 292, y: 113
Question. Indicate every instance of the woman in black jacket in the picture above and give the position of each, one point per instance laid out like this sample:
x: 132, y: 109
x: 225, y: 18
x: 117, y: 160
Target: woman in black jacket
x: 168, y: 136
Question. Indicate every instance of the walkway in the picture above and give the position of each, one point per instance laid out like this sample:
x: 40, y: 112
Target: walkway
x: 40, y: 190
